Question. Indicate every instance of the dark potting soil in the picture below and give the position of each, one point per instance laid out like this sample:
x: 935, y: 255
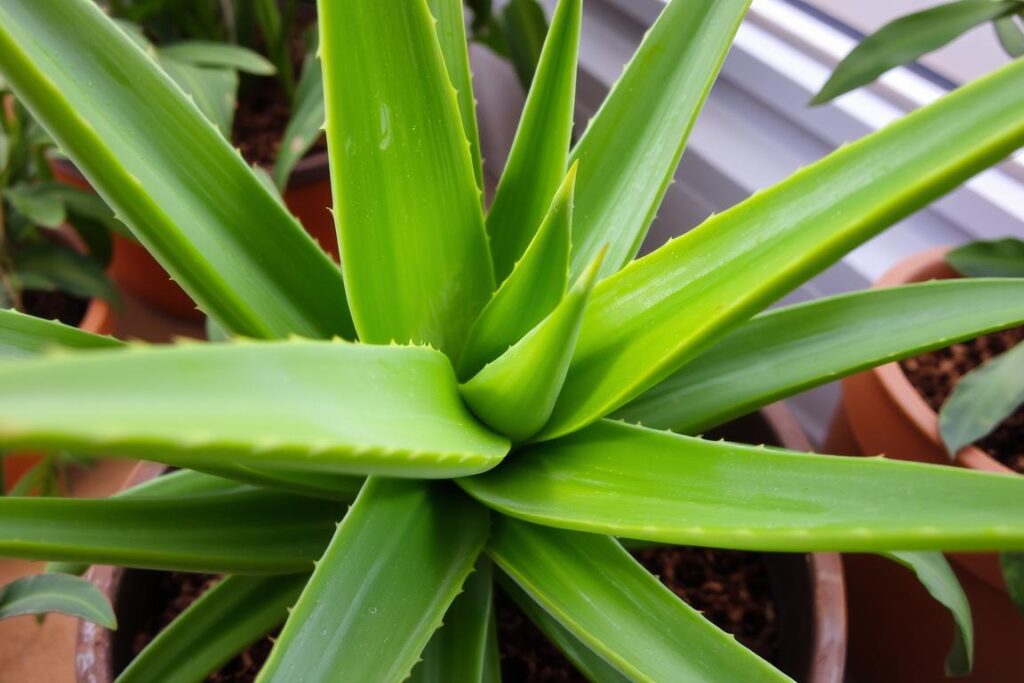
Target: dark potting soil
x: 731, y: 588
x: 934, y: 375
x: 55, y: 305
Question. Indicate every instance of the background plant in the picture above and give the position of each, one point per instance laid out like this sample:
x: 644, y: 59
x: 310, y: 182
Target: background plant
x: 463, y: 418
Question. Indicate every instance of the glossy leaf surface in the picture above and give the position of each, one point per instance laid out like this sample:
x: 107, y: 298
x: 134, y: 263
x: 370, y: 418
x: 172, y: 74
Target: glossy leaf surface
x: 695, y: 492
x: 621, y: 612
x: 46, y: 593
x: 327, y: 406
x: 995, y: 258
x: 649, y: 319
x: 380, y: 591
x: 23, y: 335
x: 169, y: 175
x: 407, y: 205
x: 788, y: 350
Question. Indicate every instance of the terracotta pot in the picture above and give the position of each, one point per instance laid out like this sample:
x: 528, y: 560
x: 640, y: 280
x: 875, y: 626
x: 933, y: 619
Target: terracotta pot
x: 98, y: 319
x: 897, y: 631
x: 308, y: 197
x: 808, y: 589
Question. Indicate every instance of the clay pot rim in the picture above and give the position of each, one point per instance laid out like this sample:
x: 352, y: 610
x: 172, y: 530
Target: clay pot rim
x: 898, y: 385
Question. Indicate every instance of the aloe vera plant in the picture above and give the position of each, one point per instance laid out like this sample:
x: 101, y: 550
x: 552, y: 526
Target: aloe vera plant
x: 453, y: 380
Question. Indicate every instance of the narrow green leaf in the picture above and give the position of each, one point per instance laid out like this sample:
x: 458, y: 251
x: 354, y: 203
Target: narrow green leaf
x: 55, y: 267
x: 299, y: 405
x: 982, y: 399
x: 214, y: 91
x: 695, y: 492
x: 37, y: 206
x: 1010, y: 35
x: 171, y: 177
x: 621, y: 612
x: 378, y: 594
x: 1013, y: 573
x: 221, y: 55
x: 524, y: 28
x: 318, y: 484
x: 46, y: 593
x: 245, y: 531
x: 631, y: 148
x: 408, y: 212
x: 645, y: 322
x: 23, y: 335
x: 450, y: 19
x: 935, y: 574
x: 907, y: 38
x: 540, y: 150
x: 458, y: 650
x: 788, y: 350
x: 995, y: 258
x: 307, y: 120
x: 181, y: 483
x: 530, y: 292
x: 226, y: 619
x: 582, y: 657
x: 515, y: 394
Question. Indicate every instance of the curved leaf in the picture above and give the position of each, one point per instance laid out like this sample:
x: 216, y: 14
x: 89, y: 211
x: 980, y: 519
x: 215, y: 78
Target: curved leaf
x: 23, y: 335
x: 407, y: 206
x: 995, y: 258
x: 621, y: 612
x: 788, y: 350
x: 523, y: 27
x: 226, y: 619
x: 300, y: 405
x: 307, y: 120
x: 246, y: 531
x: 213, y: 54
x: 935, y: 574
x: 1010, y: 35
x: 648, y: 320
x: 169, y: 175
x: 45, y: 593
x: 695, y: 492
x: 394, y: 566
x: 540, y: 149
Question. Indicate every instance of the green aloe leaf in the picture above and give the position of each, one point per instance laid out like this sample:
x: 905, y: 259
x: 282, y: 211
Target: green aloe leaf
x: 409, y: 218
x: 514, y: 394
x: 540, y: 150
x: 214, y: 91
x: 243, y: 531
x: 222, y: 55
x: 226, y: 619
x: 789, y: 350
x: 24, y: 335
x: 1013, y: 573
x: 995, y: 258
x: 523, y: 28
x: 1010, y: 35
x: 171, y: 177
x: 36, y: 204
x: 530, y: 292
x: 61, y: 268
x: 307, y: 120
x: 696, y: 492
x: 300, y: 405
x: 982, y: 399
x: 458, y: 651
x: 935, y: 574
x: 649, y: 319
x: 582, y: 657
x: 621, y: 612
x: 907, y: 38
x: 395, y: 564
x: 46, y: 593
x: 451, y: 34
x: 631, y: 148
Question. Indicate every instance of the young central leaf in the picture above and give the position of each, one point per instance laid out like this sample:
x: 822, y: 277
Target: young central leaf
x: 407, y: 206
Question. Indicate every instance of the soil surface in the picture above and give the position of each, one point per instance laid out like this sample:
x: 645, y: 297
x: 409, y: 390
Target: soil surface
x: 731, y: 588
x: 55, y: 305
x: 934, y: 375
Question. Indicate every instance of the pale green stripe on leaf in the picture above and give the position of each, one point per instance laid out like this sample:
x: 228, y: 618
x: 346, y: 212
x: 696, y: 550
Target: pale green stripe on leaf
x: 407, y: 205
x: 788, y: 350
x: 168, y: 173
x: 631, y: 148
x: 646, y: 321
x: 540, y: 150
x: 23, y: 335
x: 226, y: 619
x: 396, y: 562
x: 299, y: 405
x: 620, y: 612
x: 938, y: 578
x: 514, y: 394
x: 694, y: 492
x: 47, y: 593
x: 533, y: 289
